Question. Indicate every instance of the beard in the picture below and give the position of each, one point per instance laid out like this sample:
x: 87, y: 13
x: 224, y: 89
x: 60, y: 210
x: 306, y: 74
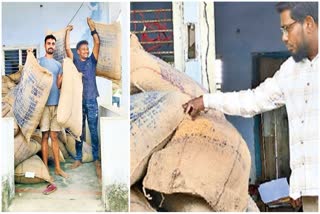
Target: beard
x: 302, y: 51
x: 49, y: 51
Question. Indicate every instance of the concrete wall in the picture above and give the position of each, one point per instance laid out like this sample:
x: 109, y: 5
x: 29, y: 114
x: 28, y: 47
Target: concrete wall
x: 241, y: 29
x: 115, y: 142
x: 125, y: 60
x: 6, y: 163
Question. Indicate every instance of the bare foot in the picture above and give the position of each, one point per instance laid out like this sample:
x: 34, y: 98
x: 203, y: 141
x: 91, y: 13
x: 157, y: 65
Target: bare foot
x: 51, y: 179
x: 76, y: 164
x: 98, y: 170
x: 61, y: 173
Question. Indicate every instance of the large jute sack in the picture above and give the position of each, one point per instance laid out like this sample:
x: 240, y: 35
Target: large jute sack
x: 31, y: 95
x: 4, y: 80
x: 134, y: 42
x: 6, y: 108
x: 252, y: 206
x: 185, y: 203
x: 24, y: 150
x: 15, y: 77
x: 63, y: 149
x: 50, y: 152
x: 206, y: 157
x: 7, y: 84
x: 138, y: 203
x: 86, y: 149
x: 134, y: 90
x: 32, y: 166
x: 37, y: 136
x: 150, y: 73
x: 4, y: 85
x: 10, y: 84
x: 109, y: 61
x: 60, y: 52
x: 9, y: 98
x: 16, y: 128
x: 69, y: 112
x: 62, y: 135
x: 4, y: 94
x: 154, y: 116
x: 7, y: 103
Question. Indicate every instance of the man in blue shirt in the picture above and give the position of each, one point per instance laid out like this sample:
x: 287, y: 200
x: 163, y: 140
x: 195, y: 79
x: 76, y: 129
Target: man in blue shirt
x: 87, y: 66
x: 48, y: 123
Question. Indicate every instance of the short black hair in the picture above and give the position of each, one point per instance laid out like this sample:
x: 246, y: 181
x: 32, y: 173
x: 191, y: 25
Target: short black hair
x: 50, y: 36
x: 299, y: 10
x: 82, y: 42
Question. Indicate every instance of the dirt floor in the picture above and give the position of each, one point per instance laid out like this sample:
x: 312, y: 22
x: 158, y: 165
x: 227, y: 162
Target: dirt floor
x: 80, y: 192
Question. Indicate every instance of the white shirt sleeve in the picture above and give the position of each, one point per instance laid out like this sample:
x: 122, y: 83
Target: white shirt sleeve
x: 247, y: 103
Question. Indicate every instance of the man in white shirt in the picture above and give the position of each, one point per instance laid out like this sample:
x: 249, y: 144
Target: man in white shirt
x: 296, y: 85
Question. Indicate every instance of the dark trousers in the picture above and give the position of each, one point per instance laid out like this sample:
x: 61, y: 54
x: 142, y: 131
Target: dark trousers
x: 90, y: 112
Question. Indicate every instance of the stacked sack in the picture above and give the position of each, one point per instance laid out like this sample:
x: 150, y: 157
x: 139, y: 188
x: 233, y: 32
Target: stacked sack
x: 16, y: 102
x: 24, y: 96
x: 176, y: 163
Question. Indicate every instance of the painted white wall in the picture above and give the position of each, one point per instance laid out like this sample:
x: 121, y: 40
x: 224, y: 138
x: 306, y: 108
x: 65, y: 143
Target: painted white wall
x: 180, y: 37
x: 185, y: 13
x: 114, y: 124
x: 115, y: 13
x: 31, y: 27
x: 191, y: 15
x: 125, y: 60
x: 115, y: 142
x: 7, y: 157
x: 120, y: 12
x: 115, y: 138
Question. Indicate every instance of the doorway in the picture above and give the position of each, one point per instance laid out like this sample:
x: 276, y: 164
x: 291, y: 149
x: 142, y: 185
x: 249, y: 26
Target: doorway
x: 271, y: 128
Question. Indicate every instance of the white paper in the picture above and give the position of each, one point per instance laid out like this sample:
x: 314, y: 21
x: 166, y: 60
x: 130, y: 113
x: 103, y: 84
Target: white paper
x: 274, y: 190
x: 29, y: 175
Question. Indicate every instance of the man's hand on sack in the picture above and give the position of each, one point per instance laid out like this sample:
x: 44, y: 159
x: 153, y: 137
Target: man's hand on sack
x: 194, y: 107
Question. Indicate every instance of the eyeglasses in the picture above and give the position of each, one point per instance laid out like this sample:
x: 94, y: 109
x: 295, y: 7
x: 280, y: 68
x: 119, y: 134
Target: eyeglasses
x: 285, y: 29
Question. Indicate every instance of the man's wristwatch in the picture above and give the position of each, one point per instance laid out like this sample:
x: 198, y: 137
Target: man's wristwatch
x: 94, y: 32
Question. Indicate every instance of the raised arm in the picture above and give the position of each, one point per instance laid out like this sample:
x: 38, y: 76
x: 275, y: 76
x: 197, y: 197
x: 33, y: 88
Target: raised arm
x: 67, y: 42
x: 95, y: 36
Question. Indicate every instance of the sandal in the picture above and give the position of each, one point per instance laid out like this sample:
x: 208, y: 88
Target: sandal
x: 50, y: 189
